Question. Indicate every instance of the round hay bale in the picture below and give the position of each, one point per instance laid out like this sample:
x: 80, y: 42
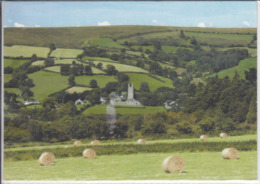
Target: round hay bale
x: 223, y: 135
x: 46, y: 158
x: 230, y: 153
x: 67, y: 146
x: 203, y: 137
x: 173, y: 164
x: 77, y: 143
x: 95, y: 143
x: 141, y: 141
x: 89, y: 153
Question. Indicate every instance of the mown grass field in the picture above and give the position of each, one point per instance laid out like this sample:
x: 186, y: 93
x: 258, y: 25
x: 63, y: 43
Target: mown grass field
x: 38, y: 63
x: 102, y: 80
x: 66, y: 61
x: 122, y: 67
x: 244, y: 65
x: 47, y: 83
x: 14, y: 63
x: 66, y: 53
x: 25, y: 51
x: 77, y: 89
x: 53, y: 69
x: 144, y: 166
x: 154, y: 84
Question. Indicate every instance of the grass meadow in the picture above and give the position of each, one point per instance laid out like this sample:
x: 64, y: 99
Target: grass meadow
x: 102, y: 80
x: 66, y: 61
x: 38, y: 63
x: 122, y: 67
x: 14, y: 63
x: 104, y: 42
x: 244, y: 65
x: 8, y: 77
x: 53, y: 69
x: 137, y: 79
x: 141, y: 166
x: 77, y: 89
x: 66, y: 53
x: 25, y: 51
x: 47, y: 83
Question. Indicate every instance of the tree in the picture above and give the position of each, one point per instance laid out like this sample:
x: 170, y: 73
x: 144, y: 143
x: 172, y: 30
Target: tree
x: 144, y: 87
x: 52, y: 46
x: 193, y: 41
x: 122, y: 77
x: 88, y: 70
x: 8, y: 70
x: 182, y: 34
x: 173, y: 75
x: 48, y: 62
x: 93, y: 83
x: 49, y: 104
x: 99, y: 65
x: 72, y: 81
x: 111, y: 70
x: 65, y: 69
x: 34, y: 58
x: 67, y: 109
x: 26, y: 93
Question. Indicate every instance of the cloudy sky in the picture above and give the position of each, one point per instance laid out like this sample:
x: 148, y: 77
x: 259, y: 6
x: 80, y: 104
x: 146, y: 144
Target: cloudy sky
x: 186, y: 14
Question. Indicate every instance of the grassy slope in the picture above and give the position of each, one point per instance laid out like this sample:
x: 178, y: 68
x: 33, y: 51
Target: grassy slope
x: 77, y: 89
x: 25, y: 51
x: 104, y: 42
x: 47, y: 83
x: 8, y: 77
x: 122, y: 67
x: 199, y: 166
x: 66, y: 53
x: 78, y: 35
x: 14, y: 63
x: 137, y: 79
x: 102, y: 80
x: 244, y: 65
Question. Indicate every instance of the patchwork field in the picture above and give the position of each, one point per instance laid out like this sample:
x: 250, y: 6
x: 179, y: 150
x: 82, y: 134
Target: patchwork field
x: 168, y: 49
x: 199, y: 166
x: 14, y: 63
x: 38, y: 63
x: 53, y: 69
x: 77, y: 89
x: 66, y: 53
x: 122, y: 67
x: 137, y: 79
x: 66, y: 61
x: 47, y: 83
x: 244, y: 65
x: 98, y: 59
x: 103, y: 42
x: 102, y: 80
x: 25, y: 51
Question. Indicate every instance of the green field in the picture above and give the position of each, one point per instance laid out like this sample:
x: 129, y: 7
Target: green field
x: 53, y: 69
x: 252, y: 52
x: 25, y: 51
x: 47, y: 83
x: 77, y: 89
x: 66, y: 53
x: 98, y: 59
x: 137, y: 79
x: 103, y: 42
x: 38, y: 63
x: 197, y: 81
x: 8, y: 77
x: 168, y: 49
x: 66, y: 61
x: 14, y: 90
x: 122, y: 67
x: 14, y: 63
x: 244, y: 65
x: 102, y: 80
x: 199, y: 166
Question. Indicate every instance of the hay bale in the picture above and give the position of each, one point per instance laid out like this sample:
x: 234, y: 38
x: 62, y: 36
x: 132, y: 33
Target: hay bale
x: 230, y: 153
x: 223, y: 135
x: 46, y: 158
x: 203, y: 137
x: 68, y: 146
x: 77, y: 143
x: 89, y: 153
x: 141, y: 141
x: 95, y: 143
x: 173, y: 164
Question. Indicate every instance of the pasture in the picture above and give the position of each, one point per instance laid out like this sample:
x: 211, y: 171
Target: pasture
x: 14, y: 90
x: 141, y: 166
x: 77, y: 89
x: 14, y: 63
x: 47, y: 83
x: 8, y: 77
x: 104, y: 42
x: 102, y: 80
x: 66, y: 61
x: 66, y: 53
x: 53, y: 69
x: 25, y: 51
x: 154, y: 84
x: 244, y: 65
x: 122, y: 67
x: 98, y: 59
x: 38, y: 63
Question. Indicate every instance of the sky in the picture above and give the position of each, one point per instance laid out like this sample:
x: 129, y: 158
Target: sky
x: 164, y: 13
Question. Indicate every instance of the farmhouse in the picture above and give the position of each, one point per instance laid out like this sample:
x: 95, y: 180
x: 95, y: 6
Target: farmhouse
x: 81, y: 102
x: 118, y: 100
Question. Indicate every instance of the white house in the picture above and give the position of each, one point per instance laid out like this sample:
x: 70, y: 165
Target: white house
x: 31, y: 101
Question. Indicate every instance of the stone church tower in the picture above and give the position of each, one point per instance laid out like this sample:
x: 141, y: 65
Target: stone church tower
x: 130, y: 94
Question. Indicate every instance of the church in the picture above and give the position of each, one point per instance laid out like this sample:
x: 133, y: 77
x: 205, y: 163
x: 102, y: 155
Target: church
x: 130, y: 101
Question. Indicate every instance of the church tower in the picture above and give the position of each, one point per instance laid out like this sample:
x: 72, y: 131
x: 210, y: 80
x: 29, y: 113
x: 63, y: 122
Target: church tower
x: 130, y: 94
